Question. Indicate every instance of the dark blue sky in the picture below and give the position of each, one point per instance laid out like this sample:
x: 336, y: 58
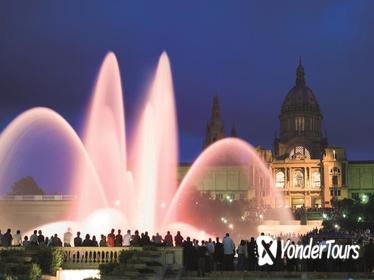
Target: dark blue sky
x: 244, y: 51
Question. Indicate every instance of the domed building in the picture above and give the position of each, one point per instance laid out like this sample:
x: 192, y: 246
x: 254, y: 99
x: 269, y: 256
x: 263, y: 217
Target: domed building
x: 304, y: 166
x: 300, y: 123
x: 305, y: 169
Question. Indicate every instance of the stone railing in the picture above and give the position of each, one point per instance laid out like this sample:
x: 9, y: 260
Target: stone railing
x: 38, y: 197
x: 92, y: 257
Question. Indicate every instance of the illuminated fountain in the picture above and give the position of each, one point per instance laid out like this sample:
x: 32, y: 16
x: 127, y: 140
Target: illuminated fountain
x: 136, y: 190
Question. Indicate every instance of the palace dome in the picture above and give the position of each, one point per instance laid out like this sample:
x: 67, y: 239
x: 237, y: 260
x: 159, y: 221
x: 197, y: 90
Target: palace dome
x: 300, y: 98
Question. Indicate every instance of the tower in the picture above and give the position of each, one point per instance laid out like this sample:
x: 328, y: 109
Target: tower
x: 300, y: 122
x: 298, y: 163
x: 234, y: 133
x: 214, y: 129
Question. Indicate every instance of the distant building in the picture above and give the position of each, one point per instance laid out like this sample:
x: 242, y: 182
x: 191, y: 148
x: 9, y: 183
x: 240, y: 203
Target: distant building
x: 308, y: 171
x: 305, y: 168
x: 215, y: 129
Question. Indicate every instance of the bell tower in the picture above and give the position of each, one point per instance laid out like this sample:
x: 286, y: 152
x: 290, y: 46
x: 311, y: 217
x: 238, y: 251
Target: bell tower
x: 214, y: 129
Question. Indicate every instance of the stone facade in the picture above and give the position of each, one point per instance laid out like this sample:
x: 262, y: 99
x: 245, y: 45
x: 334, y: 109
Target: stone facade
x: 360, y: 179
x: 305, y: 169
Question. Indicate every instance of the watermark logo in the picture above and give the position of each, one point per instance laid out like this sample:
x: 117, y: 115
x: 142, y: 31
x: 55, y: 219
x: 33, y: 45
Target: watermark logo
x: 267, y: 250
x: 327, y: 249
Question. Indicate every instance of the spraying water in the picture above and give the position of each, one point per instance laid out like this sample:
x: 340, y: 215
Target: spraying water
x: 112, y: 193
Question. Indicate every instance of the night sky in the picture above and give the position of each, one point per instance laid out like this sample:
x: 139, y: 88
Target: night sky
x: 244, y: 51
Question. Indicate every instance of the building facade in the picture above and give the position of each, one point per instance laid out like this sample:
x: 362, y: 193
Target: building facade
x: 305, y: 169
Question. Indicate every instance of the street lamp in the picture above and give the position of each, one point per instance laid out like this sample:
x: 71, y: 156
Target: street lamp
x: 364, y: 199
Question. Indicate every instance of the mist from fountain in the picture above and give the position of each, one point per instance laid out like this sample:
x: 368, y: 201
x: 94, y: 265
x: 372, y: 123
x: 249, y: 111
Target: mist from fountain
x: 112, y: 190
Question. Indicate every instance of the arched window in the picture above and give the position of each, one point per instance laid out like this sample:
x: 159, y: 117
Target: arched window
x: 279, y: 179
x: 298, y: 179
x: 299, y: 152
x: 335, y: 172
x: 300, y: 124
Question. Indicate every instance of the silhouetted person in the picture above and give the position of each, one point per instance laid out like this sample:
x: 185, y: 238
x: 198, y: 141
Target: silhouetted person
x: 118, y: 240
x: 87, y: 242
x: 178, y: 239
x: 94, y: 241
x: 111, y: 238
x: 145, y: 239
x: 218, y: 254
x: 158, y: 239
x: 26, y: 242
x: 40, y: 237
x: 7, y: 238
x: 34, y: 238
x: 127, y: 239
x: 291, y: 262
x: 78, y: 240
x: 142, y: 239
x: 135, y: 240
x: 201, y: 264
x: 168, y: 240
x: 242, y: 255
x: 229, y: 252
x: 252, y: 254
x: 278, y: 257
x: 188, y: 253
x: 103, y: 241
x: 323, y: 261
x: 56, y: 241
x: 68, y: 236
x: 210, y: 254
x: 17, y: 239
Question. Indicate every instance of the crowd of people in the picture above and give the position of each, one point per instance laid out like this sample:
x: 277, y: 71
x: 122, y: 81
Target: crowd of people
x: 210, y: 255
x: 113, y: 239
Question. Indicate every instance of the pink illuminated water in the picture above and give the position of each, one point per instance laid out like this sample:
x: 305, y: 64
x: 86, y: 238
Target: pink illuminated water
x: 31, y: 144
x: 112, y: 191
x: 104, y: 132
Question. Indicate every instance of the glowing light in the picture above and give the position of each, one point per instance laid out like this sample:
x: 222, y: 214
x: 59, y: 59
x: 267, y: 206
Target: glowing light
x: 344, y: 215
x: 364, y: 199
x: 261, y: 216
x: 67, y: 274
x: 359, y: 219
x: 324, y: 216
x: 163, y: 205
x: 117, y: 203
x: 336, y: 226
x: 231, y: 226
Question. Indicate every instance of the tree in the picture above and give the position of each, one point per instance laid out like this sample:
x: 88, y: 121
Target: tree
x: 26, y: 186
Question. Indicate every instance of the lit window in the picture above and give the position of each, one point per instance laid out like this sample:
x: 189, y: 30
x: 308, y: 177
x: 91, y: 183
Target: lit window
x: 298, y: 179
x: 299, y: 152
x: 279, y: 179
x: 300, y: 124
x: 316, y: 179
